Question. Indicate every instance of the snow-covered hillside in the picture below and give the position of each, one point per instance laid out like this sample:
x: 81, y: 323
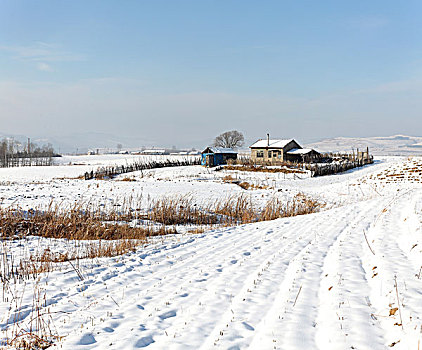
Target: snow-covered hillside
x: 390, y: 145
x: 321, y: 281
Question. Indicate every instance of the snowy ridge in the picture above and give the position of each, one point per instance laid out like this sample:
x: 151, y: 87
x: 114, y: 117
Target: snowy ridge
x: 397, y: 145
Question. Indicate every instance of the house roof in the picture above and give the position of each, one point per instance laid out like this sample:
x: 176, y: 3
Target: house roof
x: 219, y: 150
x: 300, y: 151
x: 272, y: 144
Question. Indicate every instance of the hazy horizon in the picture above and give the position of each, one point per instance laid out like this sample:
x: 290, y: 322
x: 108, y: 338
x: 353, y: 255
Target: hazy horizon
x: 180, y: 73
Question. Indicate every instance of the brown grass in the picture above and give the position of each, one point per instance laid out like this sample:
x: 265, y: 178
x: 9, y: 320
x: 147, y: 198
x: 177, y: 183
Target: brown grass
x: 128, y: 179
x: 233, y: 210
x: 264, y: 169
x: 243, y: 184
x: 74, y: 224
x: 180, y: 210
x: 110, y: 234
x: 299, y: 205
x: 241, y: 209
x: 248, y: 186
x: 228, y: 178
x: 99, y: 234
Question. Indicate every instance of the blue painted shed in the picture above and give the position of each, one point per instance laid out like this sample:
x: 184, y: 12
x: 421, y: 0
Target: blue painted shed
x: 213, y: 156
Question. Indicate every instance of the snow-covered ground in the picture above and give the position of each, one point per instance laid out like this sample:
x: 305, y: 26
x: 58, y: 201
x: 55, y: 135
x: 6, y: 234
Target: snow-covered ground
x: 318, y: 281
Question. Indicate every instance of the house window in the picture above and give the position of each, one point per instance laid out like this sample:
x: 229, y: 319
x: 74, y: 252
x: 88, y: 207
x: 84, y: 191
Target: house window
x: 260, y: 154
x: 277, y: 154
x: 269, y: 154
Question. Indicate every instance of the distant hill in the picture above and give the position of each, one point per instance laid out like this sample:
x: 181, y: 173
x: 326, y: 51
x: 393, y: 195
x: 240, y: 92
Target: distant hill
x: 400, y: 145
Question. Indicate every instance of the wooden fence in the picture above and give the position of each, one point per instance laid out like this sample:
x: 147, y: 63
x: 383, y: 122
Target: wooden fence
x: 111, y: 171
x: 323, y: 169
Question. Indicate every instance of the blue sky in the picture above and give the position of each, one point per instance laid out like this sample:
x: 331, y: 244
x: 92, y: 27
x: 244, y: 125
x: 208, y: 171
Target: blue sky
x: 180, y: 72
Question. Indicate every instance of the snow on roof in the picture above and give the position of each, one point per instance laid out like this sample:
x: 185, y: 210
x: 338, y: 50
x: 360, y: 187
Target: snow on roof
x: 272, y: 144
x: 220, y: 150
x: 300, y: 151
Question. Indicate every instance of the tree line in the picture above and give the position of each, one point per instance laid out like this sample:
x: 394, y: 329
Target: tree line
x: 14, y: 153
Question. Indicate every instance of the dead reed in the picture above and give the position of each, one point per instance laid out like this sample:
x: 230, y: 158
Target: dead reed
x: 99, y: 235
x: 76, y: 223
x: 233, y: 210
x: 285, y: 168
x: 159, y: 218
x: 111, y: 233
x: 28, y: 326
x: 180, y: 210
x: 243, y: 184
x: 38, y: 330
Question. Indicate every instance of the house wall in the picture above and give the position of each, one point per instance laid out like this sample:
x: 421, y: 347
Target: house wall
x: 273, y: 156
x: 218, y: 159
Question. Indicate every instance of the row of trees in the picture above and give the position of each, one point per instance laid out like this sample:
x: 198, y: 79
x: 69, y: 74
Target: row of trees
x: 14, y: 153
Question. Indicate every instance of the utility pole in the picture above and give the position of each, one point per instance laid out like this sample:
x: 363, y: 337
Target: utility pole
x: 29, y: 146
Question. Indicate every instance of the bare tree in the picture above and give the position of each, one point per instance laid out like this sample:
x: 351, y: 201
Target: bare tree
x: 229, y: 139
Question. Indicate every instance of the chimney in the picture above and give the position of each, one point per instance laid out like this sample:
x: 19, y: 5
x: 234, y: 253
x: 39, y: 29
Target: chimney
x: 268, y: 140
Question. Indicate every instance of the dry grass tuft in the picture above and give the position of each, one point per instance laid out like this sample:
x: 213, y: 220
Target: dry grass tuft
x: 248, y: 186
x: 77, y: 223
x: 245, y: 185
x: 128, y: 179
x: 229, y: 179
x: 179, y: 211
x: 286, y: 169
x: 234, y: 210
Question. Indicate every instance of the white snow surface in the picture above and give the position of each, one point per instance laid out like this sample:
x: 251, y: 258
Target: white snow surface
x: 318, y: 281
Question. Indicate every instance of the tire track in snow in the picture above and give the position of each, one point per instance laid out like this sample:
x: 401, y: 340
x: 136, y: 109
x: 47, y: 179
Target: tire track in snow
x: 389, y: 237
x: 345, y: 317
x: 292, y: 320
x: 264, y: 315
x: 154, y: 268
x: 164, y: 289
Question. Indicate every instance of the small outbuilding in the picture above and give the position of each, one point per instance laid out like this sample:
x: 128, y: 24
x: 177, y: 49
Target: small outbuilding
x: 213, y: 156
x: 305, y: 155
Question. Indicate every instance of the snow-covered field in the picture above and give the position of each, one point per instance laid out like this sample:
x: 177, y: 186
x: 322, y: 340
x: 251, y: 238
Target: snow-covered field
x: 320, y: 281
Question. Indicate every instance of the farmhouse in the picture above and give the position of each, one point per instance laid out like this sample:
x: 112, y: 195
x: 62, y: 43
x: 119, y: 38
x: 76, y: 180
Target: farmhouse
x: 277, y: 151
x: 213, y: 156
